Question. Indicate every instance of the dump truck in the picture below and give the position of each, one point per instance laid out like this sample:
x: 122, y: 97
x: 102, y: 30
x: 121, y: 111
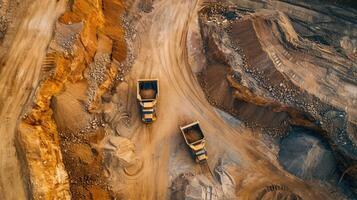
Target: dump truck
x: 195, y: 140
x: 147, y: 94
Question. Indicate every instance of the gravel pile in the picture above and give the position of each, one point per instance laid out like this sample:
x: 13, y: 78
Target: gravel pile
x: 97, y: 74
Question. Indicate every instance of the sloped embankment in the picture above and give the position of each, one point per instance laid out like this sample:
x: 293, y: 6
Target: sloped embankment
x: 81, y: 64
x: 274, y: 78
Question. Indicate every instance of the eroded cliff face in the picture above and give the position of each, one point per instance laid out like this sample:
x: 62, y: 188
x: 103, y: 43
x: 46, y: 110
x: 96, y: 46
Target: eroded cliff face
x: 39, y: 142
x: 58, y: 133
x: 261, y: 70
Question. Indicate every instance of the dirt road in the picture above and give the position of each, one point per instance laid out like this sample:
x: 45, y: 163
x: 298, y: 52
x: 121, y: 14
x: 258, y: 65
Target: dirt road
x: 18, y: 78
x: 162, y: 54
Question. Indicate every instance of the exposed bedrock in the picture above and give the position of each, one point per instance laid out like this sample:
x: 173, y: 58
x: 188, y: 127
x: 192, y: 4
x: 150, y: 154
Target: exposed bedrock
x: 264, y: 72
x: 330, y: 23
x: 61, y: 131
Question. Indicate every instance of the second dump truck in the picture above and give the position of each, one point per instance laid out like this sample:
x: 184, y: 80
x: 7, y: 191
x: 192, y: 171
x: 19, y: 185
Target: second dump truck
x: 147, y: 94
x: 195, y: 139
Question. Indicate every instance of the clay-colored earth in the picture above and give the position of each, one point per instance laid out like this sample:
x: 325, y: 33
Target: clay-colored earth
x: 71, y: 124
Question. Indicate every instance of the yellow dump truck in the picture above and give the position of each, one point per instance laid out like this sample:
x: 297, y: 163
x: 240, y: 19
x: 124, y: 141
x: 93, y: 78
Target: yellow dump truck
x: 195, y: 139
x: 147, y: 94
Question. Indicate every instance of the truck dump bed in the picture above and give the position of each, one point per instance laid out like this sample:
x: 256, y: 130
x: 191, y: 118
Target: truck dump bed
x: 147, y: 93
x: 147, y: 89
x: 195, y: 140
x: 193, y: 134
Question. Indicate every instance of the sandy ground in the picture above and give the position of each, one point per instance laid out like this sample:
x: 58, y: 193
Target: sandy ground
x: 18, y: 78
x: 162, y: 54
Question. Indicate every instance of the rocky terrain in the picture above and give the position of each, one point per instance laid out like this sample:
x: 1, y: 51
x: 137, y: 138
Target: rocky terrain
x: 276, y: 73
x: 272, y: 83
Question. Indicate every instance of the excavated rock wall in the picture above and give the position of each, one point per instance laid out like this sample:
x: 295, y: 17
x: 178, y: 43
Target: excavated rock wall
x: 39, y: 142
x: 260, y: 89
x: 316, y: 21
x: 250, y: 101
x: 83, y: 59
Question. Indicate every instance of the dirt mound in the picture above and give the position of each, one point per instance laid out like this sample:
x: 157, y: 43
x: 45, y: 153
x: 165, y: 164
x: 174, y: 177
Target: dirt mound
x: 147, y: 93
x: 194, y: 187
x: 193, y: 135
x: 118, y: 151
x: 307, y: 156
x: 84, y: 164
x: 69, y: 108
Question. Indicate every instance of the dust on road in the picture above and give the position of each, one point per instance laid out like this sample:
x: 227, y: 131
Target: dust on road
x: 162, y: 54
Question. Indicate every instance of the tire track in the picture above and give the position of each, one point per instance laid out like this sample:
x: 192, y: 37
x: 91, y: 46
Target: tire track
x: 181, y: 99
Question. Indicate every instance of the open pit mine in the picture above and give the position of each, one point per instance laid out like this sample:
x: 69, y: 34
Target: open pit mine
x: 178, y: 99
